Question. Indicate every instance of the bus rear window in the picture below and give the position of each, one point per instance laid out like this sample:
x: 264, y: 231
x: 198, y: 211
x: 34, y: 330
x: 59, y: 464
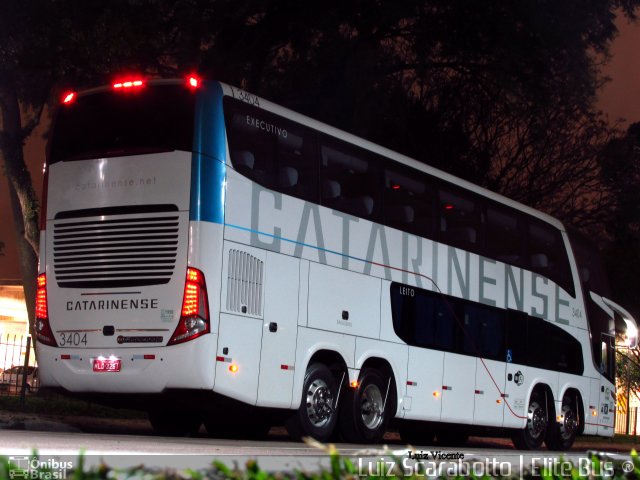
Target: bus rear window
x: 114, y: 123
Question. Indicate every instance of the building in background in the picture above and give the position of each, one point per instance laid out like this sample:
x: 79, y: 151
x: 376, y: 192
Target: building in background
x: 14, y: 325
x: 13, y: 310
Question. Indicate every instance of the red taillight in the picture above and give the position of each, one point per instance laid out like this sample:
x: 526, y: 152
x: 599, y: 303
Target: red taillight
x: 41, y: 297
x: 128, y: 84
x: 194, y: 318
x: 43, y: 329
x: 68, y: 97
x: 193, y: 81
x: 191, y: 302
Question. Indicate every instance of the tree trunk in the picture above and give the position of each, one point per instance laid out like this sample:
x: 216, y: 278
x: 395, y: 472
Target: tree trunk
x: 27, y: 258
x: 24, y: 202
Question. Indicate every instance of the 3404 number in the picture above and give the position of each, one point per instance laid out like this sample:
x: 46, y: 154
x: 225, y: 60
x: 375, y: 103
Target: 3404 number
x: 245, y: 97
x: 72, y: 339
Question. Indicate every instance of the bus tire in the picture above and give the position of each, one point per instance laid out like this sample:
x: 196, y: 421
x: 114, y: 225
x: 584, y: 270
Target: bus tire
x: 560, y: 436
x: 174, y: 424
x: 363, y: 415
x: 317, y: 416
x: 534, y: 433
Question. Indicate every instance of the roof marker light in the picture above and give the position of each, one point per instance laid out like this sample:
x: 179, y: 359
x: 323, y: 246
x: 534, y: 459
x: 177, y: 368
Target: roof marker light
x: 68, y: 98
x: 194, y: 82
x: 128, y: 84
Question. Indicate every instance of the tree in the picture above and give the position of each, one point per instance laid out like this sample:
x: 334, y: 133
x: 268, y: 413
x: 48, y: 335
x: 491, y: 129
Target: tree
x: 499, y: 93
x: 628, y: 375
x: 620, y: 163
x: 44, y: 45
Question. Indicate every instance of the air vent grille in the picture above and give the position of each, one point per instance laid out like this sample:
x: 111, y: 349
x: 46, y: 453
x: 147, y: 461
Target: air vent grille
x: 108, y: 252
x: 244, y: 286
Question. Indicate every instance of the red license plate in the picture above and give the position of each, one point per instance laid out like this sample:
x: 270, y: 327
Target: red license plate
x: 106, y: 365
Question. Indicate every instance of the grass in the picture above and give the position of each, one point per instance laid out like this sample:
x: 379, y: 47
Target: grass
x: 615, y: 440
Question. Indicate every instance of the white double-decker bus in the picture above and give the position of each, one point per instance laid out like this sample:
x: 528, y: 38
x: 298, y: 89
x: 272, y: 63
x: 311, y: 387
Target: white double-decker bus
x: 212, y: 257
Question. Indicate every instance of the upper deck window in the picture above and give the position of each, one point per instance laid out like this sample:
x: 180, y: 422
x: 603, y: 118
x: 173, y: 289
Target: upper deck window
x: 272, y: 151
x: 114, y: 123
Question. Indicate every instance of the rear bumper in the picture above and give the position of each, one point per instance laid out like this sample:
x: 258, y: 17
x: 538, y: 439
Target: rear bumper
x: 190, y: 365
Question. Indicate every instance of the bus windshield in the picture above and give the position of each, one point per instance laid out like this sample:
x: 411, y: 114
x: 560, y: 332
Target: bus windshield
x: 116, y: 123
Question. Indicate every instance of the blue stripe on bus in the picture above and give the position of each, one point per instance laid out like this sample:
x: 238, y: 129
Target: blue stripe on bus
x: 208, y: 169
x: 297, y: 243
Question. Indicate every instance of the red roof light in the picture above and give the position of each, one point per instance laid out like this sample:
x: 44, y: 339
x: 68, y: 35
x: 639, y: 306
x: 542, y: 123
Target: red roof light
x: 194, y: 82
x: 128, y: 84
x: 68, y: 98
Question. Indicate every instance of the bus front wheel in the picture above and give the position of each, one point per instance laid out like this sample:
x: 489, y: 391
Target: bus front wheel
x: 317, y: 415
x: 364, y: 413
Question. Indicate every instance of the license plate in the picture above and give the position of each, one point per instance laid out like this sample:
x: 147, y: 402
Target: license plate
x: 106, y: 365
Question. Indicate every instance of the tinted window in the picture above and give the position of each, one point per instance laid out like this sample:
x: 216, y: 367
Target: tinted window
x: 552, y: 347
x: 484, y: 331
x: 422, y: 318
x: 607, y: 365
x: 350, y: 179
x: 409, y: 201
x: 505, y: 237
x: 591, y: 269
x: 158, y: 118
x: 272, y: 151
x: 548, y: 255
x: 517, y: 337
x: 431, y: 320
x: 460, y: 220
x: 593, y: 277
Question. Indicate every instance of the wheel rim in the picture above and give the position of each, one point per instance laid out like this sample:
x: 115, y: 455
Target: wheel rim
x: 371, y: 407
x: 569, y: 425
x: 319, y: 403
x: 537, y: 420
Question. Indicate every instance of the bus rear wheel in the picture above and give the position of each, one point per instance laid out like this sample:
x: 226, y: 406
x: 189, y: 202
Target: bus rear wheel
x: 364, y: 413
x: 563, y: 433
x: 534, y: 433
x: 317, y: 415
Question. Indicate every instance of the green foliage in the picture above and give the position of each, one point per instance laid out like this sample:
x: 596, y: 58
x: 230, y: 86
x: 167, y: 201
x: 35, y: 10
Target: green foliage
x: 340, y: 467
